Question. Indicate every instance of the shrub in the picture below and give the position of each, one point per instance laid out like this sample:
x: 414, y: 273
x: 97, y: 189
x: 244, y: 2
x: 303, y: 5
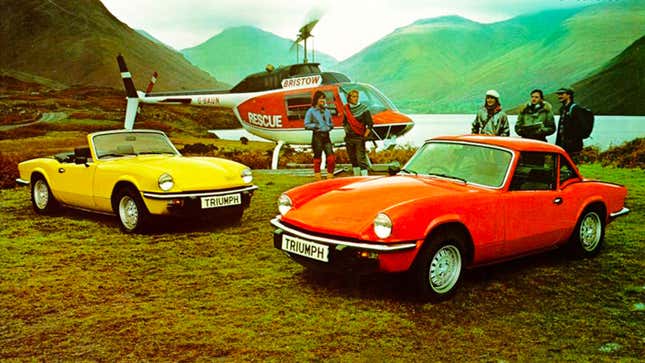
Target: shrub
x: 8, y: 170
x: 21, y: 133
x: 589, y: 155
x: 628, y: 155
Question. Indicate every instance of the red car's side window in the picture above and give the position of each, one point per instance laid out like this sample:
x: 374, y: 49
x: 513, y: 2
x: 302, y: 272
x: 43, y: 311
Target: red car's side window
x: 566, y: 171
x: 535, y: 171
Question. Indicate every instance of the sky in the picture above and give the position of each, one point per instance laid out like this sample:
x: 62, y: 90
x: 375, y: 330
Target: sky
x: 345, y: 27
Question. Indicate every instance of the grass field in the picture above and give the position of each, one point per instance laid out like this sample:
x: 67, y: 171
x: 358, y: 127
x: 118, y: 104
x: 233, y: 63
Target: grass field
x: 74, y: 288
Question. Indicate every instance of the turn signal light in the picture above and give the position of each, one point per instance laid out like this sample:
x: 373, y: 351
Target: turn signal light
x: 368, y: 254
x: 176, y: 202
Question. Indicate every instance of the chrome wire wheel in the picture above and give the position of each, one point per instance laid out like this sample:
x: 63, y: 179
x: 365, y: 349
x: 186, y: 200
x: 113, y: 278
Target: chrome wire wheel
x: 445, y: 269
x: 128, y: 212
x: 590, y: 231
x: 41, y: 194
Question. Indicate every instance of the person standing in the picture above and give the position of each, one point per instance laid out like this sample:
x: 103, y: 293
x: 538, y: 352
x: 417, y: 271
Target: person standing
x: 569, y: 125
x: 490, y: 119
x: 535, y: 120
x: 357, y: 124
x: 318, y: 120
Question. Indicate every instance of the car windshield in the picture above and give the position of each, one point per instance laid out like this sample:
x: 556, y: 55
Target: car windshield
x: 470, y: 163
x: 372, y: 98
x: 118, y: 144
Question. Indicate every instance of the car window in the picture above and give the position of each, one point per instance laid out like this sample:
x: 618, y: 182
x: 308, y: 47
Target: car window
x: 566, y: 171
x: 120, y: 144
x: 475, y: 164
x: 535, y: 171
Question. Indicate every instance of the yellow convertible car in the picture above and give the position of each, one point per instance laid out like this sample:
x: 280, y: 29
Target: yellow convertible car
x: 136, y: 174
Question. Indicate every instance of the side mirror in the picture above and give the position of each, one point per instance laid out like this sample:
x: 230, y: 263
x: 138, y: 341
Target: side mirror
x: 393, y: 169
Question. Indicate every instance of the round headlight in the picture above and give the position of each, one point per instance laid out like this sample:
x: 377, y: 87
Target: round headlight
x: 166, y: 182
x: 247, y: 176
x: 284, y: 204
x: 382, y: 226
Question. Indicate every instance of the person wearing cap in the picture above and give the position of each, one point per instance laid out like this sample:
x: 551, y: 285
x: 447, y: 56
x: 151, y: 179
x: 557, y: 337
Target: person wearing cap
x: 357, y: 124
x: 318, y: 120
x: 568, y: 125
x: 490, y: 119
x: 535, y: 119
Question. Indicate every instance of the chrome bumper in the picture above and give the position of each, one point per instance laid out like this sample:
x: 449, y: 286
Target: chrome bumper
x: 365, y: 246
x: 620, y: 213
x: 22, y: 182
x: 152, y: 195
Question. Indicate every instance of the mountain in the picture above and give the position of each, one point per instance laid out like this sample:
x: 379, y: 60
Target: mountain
x: 237, y: 52
x: 619, y: 87
x: 445, y: 65
x: 150, y: 37
x: 76, y: 42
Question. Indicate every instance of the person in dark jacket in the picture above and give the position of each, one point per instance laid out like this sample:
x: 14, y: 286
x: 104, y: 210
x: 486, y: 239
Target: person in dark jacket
x: 535, y: 120
x: 568, y: 135
x: 318, y: 120
x: 357, y: 124
x: 490, y: 119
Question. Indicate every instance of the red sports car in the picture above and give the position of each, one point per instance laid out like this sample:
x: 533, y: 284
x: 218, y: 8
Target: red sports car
x: 461, y: 201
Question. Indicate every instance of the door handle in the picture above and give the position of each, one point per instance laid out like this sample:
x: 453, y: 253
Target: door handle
x: 557, y: 201
x: 61, y: 170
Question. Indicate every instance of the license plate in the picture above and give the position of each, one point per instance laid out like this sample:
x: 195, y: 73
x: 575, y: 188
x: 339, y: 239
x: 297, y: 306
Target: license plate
x: 221, y: 201
x: 305, y: 248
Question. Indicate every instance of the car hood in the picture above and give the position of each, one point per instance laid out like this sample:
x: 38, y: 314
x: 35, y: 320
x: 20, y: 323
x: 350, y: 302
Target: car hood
x: 350, y: 209
x: 189, y: 173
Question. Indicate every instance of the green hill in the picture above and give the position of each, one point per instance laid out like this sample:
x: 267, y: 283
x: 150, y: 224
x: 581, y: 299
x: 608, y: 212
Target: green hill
x: 237, y: 52
x: 76, y: 43
x: 619, y: 87
x: 445, y: 65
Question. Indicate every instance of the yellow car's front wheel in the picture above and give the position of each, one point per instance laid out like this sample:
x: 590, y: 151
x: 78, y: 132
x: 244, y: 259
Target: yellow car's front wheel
x: 131, y: 210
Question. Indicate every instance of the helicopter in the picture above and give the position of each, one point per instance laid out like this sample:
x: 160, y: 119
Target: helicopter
x: 272, y: 104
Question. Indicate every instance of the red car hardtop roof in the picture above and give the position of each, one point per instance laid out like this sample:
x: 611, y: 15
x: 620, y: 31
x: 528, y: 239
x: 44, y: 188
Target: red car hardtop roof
x: 513, y: 143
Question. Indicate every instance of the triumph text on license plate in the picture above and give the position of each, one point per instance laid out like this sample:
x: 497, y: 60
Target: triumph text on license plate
x: 221, y: 201
x: 305, y: 248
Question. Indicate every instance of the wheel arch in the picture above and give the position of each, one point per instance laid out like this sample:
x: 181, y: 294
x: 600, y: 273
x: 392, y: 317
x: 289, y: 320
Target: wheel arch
x: 597, y: 205
x: 453, y: 226
x: 120, y: 185
x: 39, y: 172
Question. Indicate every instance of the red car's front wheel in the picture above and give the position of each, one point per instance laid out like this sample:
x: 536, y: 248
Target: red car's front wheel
x: 438, y: 270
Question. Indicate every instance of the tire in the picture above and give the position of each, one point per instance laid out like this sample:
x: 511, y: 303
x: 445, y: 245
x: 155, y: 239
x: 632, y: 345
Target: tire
x: 588, y: 237
x: 131, y: 211
x: 42, y: 198
x: 438, y: 269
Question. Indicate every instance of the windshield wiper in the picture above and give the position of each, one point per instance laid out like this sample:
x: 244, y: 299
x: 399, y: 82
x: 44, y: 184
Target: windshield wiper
x: 112, y: 154
x: 449, y: 177
x: 409, y: 171
x: 156, y: 152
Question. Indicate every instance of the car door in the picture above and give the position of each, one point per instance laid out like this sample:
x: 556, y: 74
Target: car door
x: 533, y: 205
x: 74, y: 180
x: 572, y: 198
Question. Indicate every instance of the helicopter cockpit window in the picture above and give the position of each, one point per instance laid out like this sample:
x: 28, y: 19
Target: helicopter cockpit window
x: 331, y: 103
x: 298, y: 104
x: 304, y: 69
x: 272, y: 82
x: 368, y: 95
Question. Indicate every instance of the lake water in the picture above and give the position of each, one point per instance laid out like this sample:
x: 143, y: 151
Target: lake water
x: 608, y: 130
